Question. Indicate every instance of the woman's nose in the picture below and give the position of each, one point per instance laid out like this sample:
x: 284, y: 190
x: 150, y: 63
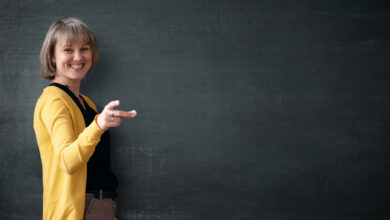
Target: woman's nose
x: 77, y: 55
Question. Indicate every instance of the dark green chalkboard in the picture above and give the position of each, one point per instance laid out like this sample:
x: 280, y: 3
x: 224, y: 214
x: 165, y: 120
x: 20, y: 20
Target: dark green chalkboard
x: 246, y: 109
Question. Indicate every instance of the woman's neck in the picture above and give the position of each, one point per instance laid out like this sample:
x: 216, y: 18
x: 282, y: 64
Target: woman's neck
x: 73, y: 86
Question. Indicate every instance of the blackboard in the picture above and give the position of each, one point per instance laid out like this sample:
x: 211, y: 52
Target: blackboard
x: 247, y: 109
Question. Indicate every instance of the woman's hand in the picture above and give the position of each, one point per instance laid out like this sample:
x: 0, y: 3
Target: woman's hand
x: 112, y: 118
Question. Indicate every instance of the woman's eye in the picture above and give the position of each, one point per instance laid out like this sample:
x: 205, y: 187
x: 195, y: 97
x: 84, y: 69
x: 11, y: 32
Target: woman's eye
x: 85, y: 48
x: 68, y: 50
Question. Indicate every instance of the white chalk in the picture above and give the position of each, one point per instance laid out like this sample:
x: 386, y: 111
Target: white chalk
x: 133, y: 112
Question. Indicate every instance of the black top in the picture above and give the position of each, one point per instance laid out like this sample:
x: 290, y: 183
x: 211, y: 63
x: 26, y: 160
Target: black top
x: 99, y: 173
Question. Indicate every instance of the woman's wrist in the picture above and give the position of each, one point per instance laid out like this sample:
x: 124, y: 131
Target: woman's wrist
x: 99, y: 123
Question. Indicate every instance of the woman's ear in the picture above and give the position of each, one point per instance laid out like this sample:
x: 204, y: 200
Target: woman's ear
x: 53, y: 61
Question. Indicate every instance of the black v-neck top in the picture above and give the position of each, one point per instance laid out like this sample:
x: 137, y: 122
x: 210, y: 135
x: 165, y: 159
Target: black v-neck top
x: 99, y: 173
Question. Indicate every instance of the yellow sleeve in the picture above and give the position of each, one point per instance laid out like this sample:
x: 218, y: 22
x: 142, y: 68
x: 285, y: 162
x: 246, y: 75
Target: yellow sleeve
x: 72, y: 151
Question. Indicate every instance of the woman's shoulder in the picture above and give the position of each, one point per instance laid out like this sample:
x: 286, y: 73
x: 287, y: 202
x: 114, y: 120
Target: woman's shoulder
x: 53, y: 91
x: 51, y: 98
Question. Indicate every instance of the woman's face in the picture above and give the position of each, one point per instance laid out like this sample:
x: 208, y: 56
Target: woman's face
x: 73, y: 59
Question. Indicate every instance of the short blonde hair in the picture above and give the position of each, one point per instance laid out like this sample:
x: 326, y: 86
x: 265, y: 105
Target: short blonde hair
x: 71, y: 28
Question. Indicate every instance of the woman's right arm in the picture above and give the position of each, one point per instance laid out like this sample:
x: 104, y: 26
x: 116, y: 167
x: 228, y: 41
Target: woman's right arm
x: 73, y: 151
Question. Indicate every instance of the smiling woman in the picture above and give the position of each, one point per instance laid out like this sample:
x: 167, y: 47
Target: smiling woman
x: 72, y: 59
x: 71, y: 135
x: 64, y: 33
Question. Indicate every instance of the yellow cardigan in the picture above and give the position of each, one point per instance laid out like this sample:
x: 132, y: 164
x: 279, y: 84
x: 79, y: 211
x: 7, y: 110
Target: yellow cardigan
x: 65, y: 145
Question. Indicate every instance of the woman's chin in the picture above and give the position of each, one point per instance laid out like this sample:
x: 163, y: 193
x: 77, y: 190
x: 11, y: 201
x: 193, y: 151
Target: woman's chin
x: 78, y: 75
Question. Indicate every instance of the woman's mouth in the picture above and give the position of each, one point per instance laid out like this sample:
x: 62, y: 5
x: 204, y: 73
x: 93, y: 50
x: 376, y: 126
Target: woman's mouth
x: 76, y: 66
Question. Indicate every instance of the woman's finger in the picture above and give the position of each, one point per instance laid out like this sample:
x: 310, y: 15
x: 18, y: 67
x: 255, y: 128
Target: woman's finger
x: 111, y: 105
x: 124, y: 114
x: 113, y: 124
x: 111, y: 119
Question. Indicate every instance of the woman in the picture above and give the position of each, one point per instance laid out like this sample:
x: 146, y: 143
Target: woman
x: 71, y: 136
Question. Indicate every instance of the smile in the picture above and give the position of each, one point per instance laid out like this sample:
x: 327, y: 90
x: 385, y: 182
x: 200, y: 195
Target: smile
x: 76, y: 66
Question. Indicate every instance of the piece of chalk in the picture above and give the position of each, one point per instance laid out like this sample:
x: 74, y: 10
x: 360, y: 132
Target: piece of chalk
x: 133, y: 112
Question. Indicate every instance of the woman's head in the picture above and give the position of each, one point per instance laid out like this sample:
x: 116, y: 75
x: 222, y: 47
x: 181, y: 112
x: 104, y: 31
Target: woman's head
x: 67, y: 30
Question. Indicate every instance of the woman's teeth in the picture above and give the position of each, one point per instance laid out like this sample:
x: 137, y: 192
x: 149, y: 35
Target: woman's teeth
x: 76, y: 66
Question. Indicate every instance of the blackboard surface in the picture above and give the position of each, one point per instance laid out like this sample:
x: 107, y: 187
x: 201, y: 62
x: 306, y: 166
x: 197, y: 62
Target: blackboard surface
x: 247, y: 109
